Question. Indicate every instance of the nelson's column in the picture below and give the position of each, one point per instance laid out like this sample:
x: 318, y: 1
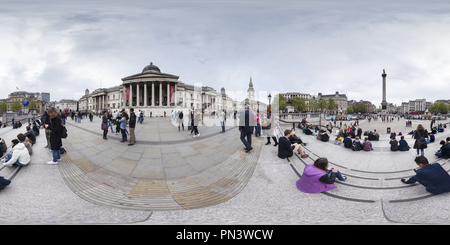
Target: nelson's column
x: 384, y: 103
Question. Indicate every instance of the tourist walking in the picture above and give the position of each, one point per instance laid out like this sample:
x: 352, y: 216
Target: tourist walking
x: 132, y: 124
x: 195, y: 123
x: 46, y: 121
x: 222, y: 119
x: 123, y: 125
x: 420, y: 137
x: 105, y: 126
x: 246, y: 126
x: 110, y: 119
x: 55, y: 127
x: 270, y: 128
x: 180, y: 120
x: 191, y: 120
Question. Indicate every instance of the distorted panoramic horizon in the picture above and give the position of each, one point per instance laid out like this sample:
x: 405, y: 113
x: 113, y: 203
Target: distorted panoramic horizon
x: 65, y: 47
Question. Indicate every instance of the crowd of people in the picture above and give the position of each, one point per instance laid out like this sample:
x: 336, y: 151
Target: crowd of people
x: 318, y: 177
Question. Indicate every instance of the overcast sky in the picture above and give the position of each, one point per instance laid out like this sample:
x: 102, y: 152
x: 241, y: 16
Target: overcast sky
x: 64, y: 47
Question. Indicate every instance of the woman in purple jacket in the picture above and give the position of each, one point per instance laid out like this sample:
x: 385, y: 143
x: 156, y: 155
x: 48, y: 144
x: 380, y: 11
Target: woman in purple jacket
x: 318, y: 177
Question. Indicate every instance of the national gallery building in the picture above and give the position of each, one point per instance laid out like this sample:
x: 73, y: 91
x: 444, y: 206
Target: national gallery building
x: 156, y: 92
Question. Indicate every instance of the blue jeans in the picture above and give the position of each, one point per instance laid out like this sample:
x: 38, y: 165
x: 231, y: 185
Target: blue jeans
x: 124, y: 134
x: 56, y: 155
x: 258, y: 130
x: 248, y: 142
x: 110, y: 125
x: 338, y: 175
x: 9, y: 156
x: 422, y: 152
x: 222, y: 123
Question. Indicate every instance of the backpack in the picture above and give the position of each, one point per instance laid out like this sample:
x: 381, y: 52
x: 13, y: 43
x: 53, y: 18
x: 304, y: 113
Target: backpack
x: 422, y: 142
x: 356, y: 146
x: 63, y: 132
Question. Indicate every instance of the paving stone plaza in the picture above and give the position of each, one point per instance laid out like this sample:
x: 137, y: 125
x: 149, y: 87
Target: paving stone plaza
x: 169, y: 177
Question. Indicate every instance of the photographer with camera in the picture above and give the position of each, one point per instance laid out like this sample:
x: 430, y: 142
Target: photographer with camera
x: 435, y: 179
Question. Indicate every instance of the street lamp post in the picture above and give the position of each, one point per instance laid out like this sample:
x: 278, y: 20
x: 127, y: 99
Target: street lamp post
x: 203, y: 94
x: 320, y: 114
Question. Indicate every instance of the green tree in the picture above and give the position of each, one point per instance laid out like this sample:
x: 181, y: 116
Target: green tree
x: 359, y: 107
x: 350, y: 110
x: 299, y: 103
x: 439, y: 107
x: 16, y: 106
x: 279, y: 102
x: 3, y: 107
x: 322, y: 104
x: 442, y: 107
x: 332, y: 105
x: 32, y: 104
x: 312, y: 105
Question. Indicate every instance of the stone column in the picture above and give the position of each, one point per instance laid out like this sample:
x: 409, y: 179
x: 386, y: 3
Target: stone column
x: 184, y: 99
x: 130, y: 101
x: 168, y: 94
x: 137, y: 95
x: 175, y: 95
x: 384, y: 103
x: 145, y: 94
x: 160, y: 94
x: 153, y: 93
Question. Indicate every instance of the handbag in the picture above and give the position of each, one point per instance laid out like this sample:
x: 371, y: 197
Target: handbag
x: 267, y: 127
x: 104, y: 126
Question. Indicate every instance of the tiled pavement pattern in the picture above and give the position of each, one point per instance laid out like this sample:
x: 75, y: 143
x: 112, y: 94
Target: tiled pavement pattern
x: 208, y: 171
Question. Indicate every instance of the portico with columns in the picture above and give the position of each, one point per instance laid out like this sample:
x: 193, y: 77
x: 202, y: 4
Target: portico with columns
x: 151, y: 90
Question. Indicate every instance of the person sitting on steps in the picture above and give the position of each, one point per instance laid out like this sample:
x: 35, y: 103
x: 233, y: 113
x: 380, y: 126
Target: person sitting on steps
x: 286, y: 149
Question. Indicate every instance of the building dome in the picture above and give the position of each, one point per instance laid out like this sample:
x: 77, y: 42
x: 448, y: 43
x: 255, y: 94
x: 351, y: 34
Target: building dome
x: 151, y: 68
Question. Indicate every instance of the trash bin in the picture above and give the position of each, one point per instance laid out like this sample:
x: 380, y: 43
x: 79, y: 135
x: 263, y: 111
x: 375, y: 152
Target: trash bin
x: 388, y: 130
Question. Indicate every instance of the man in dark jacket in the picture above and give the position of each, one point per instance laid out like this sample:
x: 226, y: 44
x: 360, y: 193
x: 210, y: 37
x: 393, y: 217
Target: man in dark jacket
x: 286, y: 149
x: 348, y: 142
x: 246, y: 126
x: 435, y: 179
x: 46, y: 121
x: 180, y: 120
x: 444, y: 152
x: 132, y: 124
x: 293, y: 138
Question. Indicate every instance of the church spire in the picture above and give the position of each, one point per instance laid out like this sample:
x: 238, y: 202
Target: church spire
x: 250, y: 90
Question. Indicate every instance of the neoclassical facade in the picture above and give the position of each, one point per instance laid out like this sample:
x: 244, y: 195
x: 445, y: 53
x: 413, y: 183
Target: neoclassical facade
x: 156, y: 92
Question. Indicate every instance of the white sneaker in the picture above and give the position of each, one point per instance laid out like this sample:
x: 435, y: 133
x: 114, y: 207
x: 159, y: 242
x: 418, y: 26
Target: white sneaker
x: 198, y: 135
x: 4, y: 163
x: 3, y: 160
x: 195, y: 136
x: 52, y: 162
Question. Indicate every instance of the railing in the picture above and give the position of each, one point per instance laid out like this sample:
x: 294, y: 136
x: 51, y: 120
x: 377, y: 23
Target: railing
x: 300, y: 116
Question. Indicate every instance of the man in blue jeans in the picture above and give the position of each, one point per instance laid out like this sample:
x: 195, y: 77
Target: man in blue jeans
x: 246, y: 126
x: 435, y: 179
